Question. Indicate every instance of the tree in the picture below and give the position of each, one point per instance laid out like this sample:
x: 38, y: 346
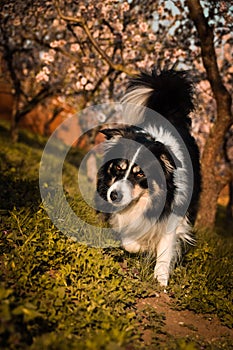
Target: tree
x: 20, y: 56
x: 48, y: 55
x: 82, y: 51
x: 212, y: 180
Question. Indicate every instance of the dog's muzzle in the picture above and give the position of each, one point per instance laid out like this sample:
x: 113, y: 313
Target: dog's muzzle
x: 120, y: 193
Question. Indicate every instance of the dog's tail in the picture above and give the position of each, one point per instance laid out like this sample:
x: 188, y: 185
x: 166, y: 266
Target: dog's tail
x: 169, y: 92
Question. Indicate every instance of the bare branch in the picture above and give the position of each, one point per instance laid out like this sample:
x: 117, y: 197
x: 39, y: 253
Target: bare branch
x: 206, y: 36
x: 105, y: 57
x: 38, y: 98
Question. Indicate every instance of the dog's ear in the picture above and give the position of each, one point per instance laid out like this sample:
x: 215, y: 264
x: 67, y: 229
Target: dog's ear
x: 112, y: 133
x: 165, y: 155
x: 170, y: 162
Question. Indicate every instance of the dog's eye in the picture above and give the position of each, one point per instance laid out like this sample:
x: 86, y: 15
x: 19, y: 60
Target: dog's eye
x: 118, y: 167
x: 140, y: 174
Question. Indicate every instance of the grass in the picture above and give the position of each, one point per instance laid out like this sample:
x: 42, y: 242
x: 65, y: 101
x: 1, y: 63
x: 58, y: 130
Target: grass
x: 57, y: 293
x: 204, y: 282
x: 56, y: 287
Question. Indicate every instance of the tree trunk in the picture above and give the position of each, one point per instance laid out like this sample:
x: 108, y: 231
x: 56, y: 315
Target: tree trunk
x: 14, y: 132
x: 212, y: 185
x: 230, y: 202
x: 212, y: 182
x: 47, y: 125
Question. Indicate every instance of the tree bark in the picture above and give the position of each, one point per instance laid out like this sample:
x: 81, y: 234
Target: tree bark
x: 230, y: 202
x: 56, y: 112
x: 212, y: 182
x: 14, y: 132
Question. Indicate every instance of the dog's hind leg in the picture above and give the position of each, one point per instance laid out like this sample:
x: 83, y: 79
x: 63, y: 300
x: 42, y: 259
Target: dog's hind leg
x: 166, y: 251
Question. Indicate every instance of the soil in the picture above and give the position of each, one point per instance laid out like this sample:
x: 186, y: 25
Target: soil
x: 185, y: 323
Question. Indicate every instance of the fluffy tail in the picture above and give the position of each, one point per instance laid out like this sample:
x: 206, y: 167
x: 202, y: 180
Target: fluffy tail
x: 169, y: 93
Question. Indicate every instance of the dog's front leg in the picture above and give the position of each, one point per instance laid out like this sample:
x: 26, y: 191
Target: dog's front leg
x: 131, y: 246
x: 166, y: 250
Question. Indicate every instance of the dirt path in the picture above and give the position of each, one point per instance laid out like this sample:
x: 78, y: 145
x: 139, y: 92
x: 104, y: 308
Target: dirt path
x: 185, y: 323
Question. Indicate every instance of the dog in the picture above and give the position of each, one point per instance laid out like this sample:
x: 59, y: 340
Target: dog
x: 149, y: 183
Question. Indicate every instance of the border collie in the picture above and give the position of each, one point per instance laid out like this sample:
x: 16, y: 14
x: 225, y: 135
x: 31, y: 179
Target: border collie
x: 149, y: 183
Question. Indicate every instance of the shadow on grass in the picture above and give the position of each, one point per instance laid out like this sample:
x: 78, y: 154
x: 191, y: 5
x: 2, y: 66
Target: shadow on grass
x: 18, y: 193
x: 4, y: 132
x: 224, y: 224
x: 38, y: 142
x: 26, y: 137
x: 35, y: 141
x: 32, y: 140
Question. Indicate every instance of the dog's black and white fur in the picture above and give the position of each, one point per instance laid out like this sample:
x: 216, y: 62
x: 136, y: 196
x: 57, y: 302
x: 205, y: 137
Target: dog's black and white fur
x: 151, y: 175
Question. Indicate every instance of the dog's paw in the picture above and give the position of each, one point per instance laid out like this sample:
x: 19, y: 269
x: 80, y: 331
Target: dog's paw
x: 161, y: 273
x: 131, y: 247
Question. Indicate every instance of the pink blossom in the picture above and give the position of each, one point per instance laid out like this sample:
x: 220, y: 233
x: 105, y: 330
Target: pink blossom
x: 47, y: 57
x: 46, y: 70
x: 55, y: 23
x: 85, y: 60
x: 57, y: 43
x: 167, y: 54
x: 125, y: 7
x: 143, y: 26
x: 42, y: 76
x: 151, y: 36
x: 96, y: 34
x: 74, y: 47
x: 101, y: 117
x: 71, y: 68
x: 137, y: 38
x: 160, y: 10
x: 78, y: 85
x: 158, y: 46
x: 83, y: 81
x: 89, y: 87
x: 118, y: 26
x: 141, y: 64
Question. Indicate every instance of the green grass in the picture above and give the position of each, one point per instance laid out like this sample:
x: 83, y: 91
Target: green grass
x: 57, y: 294
x: 204, y: 282
x: 56, y: 287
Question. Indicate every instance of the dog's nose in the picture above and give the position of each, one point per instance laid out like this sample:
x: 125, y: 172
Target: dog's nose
x: 116, y: 196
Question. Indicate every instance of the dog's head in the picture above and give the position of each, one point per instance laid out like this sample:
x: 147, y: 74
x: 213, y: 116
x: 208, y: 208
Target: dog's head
x: 136, y: 166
